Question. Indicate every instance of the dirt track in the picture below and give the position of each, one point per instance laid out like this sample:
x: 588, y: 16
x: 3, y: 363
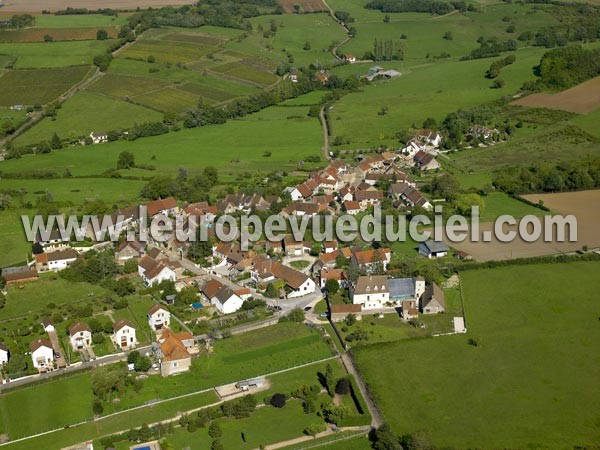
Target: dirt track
x: 584, y: 205
x: 583, y: 98
x: 36, y: 6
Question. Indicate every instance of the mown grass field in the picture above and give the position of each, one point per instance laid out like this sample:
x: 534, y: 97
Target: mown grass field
x: 428, y: 90
x: 13, y: 246
x: 254, y: 353
x: 166, y: 52
x: 234, y: 147
x: 57, y: 34
x: 81, y: 20
x: 86, y: 112
x: 41, y: 86
x: 531, y: 381
x: 53, y: 54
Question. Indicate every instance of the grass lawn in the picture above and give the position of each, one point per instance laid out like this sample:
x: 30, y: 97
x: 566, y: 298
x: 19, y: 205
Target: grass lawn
x: 86, y: 112
x: 82, y: 20
x: 54, y: 54
x: 531, y: 382
x: 36, y: 295
x: 499, y: 203
x: 235, y: 147
x: 13, y: 246
x: 65, y: 401
x: 452, y: 85
x: 388, y: 328
x: 589, y: 122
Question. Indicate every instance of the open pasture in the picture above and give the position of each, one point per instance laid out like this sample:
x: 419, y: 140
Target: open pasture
x: 451, y: 85
x: 34, y: 6
x: 34, y: 55
x: 86, y: 112
x: 583, y: 98
x: 40, y: 86
x: 531, y: 381
x: 246, y: 70
x: 57, y: 34
x: 235, y: 147
x: 195, y: 38
x: 165, y: 51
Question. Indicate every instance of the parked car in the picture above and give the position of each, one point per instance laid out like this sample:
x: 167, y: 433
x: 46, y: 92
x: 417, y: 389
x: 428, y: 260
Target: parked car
x: 323, y: 315
x: 307, y: 308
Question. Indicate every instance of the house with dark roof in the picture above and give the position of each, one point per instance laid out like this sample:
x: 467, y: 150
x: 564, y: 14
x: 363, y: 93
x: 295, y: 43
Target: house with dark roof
x: 154, y: 272
x: 433, y: 249
x: 371, y: 292
x: 159, y: 317
x: 227, y: 301
x: 426, y: 161
x: 22, y: 274
x: 433, y: 300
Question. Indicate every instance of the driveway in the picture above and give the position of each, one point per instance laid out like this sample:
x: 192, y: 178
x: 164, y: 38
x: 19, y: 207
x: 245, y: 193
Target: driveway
x: 60, y: 361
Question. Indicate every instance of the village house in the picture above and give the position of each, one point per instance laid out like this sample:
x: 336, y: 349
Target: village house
x: 300, y: 209
x: 370, y: 292
x: 433, y: 300
x: 42, y: 355
x: 429, y: 137
x: 201, y: 211
x: 227, y: 301
x: 332, y: 274
x: 346, y: 193
x: 352, y: 208
x: 153, y: 272
x: 292, y: 247
x: 426, y: 161
x: 340, y: 312
x: 98, y: 137
x: 48, y: 325
x: 17, y: 275
x: 322, y: 77
x: 80, y: 336
x: 402, y: 289
x: 124, y: 335
x: 55, y: 261
x: 410, y: 310
x: 330, y: 246
x: 297, y: 283
x: 53, y: 241
x: 130, y: 250
x: 350, y: 58
x: 115, y: 224
x: 405, y: 193
x: 373, y: 259
x: 293, y: 76
x: 433, y: 249
x: 174, y: 352
x: 167, y: 206
x: 159, y: 317
x: 4, y: 354
x: 368, y: 197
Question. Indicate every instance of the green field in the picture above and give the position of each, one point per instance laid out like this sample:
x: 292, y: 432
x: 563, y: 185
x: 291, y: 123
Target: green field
x: 452, y: 85
x: 531, y: 381
x: 48, y: 289
x: 86, y: 112
x: 167, y: 100
x: 30, y: 87
x: 165, y: 51
x: 82, y: 20
x: 243, y: 70
x: 121, y: 86
x: 234, y: 147
x: 54, y: 54
x: 589, y: 122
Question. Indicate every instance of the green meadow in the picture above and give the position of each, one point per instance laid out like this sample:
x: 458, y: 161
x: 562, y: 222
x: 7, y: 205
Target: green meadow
x: 86, y: 112
x: 54, y: 54
x: 236, y: 146
x: 531, y: 380
x: 79, y: 21
x: 427, y: 90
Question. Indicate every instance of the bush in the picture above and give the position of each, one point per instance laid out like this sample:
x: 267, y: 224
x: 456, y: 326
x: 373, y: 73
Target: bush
x: 215, y: 431
x: 343, y: 386
x: 142, y: 364
x: 278, y: 400
x: 97, y: 407
x: 97, y: 338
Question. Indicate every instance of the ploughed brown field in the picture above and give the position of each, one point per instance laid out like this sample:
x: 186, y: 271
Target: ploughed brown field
x: 583, y: 98
x: 584, y: 205
x: 307, y: 5
x: 36, y: 6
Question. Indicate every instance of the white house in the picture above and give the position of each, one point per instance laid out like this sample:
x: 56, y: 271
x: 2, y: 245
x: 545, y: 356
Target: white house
x: 80, y: 336
x: 55, y: 261
x: 48, y: 325
x: 158, y: 317
x: 227, y: 301
x: 433, y: 249
x: 153, y: 272
x: 371, y: 292
x: 98, y: 137
x: 42, y: 355
x: 124, y: 335
x: 3, y: 354
x: 350, y: 58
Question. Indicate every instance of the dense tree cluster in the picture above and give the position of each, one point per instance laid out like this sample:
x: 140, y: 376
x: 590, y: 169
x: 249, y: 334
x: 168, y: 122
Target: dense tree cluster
x: 397, y: 6
x: 498, y: 65
x: 491, y: 47
x: 564, y: 67
x: 566, y: 176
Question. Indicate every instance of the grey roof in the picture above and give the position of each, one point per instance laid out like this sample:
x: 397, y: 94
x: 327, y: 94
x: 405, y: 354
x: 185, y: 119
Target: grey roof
x: 401, y: 287
x: 433, y: 293
x: 435, y: 246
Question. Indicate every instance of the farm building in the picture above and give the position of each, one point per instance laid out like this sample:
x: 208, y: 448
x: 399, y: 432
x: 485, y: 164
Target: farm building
x: 433, y: 249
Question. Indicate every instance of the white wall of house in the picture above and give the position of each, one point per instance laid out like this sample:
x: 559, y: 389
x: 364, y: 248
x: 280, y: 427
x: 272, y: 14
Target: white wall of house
x: 81, y: 339
x: 43, y: 358
x: 160, y: 319
x: 3, y: 357
x: 308, y: 287
x: 163, y: 275
x: 125, y: 338
x: 174, y: 367
x: 231, y: 305
x: 371, y: 300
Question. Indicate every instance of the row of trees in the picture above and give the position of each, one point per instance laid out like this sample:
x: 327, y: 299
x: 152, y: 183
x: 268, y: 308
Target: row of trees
x: 498, y: 65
